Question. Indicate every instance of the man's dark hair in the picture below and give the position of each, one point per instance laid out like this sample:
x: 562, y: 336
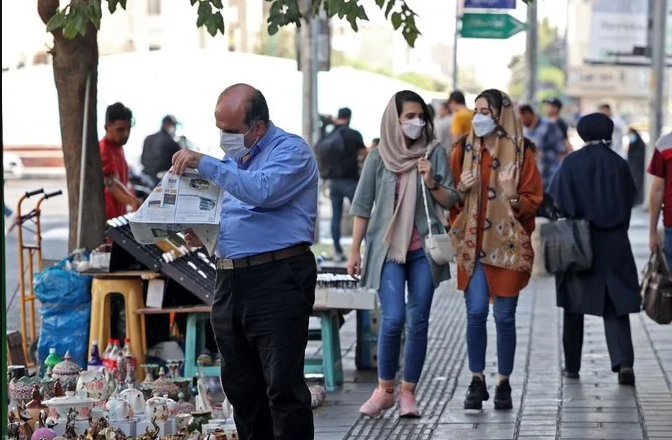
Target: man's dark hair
x: 344, y: 113
x: 118, y: 112
x: 526, y: 109
x: 257, y: 109
x: 457, y: 97
x: 445, y: 105
x: 605, y: 106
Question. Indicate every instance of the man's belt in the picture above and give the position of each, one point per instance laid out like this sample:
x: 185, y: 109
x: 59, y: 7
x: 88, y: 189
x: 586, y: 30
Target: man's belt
x: 268, y: 257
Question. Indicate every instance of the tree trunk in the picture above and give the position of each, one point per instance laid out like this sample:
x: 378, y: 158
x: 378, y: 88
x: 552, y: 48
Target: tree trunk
x: 73, y: 61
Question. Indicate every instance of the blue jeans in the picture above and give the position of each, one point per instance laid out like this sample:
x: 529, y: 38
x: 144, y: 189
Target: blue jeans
x: 396, y: 312
x: 477, y: 298
x: 667, y: 245
x: 339, y: 189
x: 8, y: 211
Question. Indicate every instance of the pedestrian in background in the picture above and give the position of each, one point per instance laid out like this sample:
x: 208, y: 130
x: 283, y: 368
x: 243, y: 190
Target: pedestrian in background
x: 619, y: 129
x: 10, y: 220
x: 408, y: 160
x: 159, y: 148
x: 637, y: 162
x: 339, y: 154
x: 118, y: 195
x: 610, y: 288
x: 461, y: 122
x: 500, y: 190
x: 547, y: 137
x: 660, y: 198
x: 443, y: 124
x: 553, y: 108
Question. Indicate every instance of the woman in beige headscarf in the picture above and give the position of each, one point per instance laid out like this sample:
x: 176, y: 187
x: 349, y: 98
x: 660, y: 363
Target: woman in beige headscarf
x: 388, y: 208
x: 500, y: 190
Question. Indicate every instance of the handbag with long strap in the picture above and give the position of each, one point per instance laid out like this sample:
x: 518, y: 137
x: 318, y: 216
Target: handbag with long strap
x: 439, y: 246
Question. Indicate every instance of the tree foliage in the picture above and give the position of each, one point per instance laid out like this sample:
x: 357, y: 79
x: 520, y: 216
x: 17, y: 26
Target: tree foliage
x: 551, y: 62
x: 76, y: 15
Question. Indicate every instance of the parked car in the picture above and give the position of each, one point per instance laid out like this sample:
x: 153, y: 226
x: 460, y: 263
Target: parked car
x: 12, y: 166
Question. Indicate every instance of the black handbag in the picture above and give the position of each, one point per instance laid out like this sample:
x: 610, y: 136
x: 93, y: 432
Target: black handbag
x: 566, y: 245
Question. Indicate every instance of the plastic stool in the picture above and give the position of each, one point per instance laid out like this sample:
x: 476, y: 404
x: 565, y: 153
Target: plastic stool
x: 131, y: 289
x: 330, y: 365
x: 194, y: 344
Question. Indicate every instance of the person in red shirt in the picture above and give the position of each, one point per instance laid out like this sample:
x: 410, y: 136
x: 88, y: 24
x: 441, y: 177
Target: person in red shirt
x: 118, y: 121
x: 661, y: 195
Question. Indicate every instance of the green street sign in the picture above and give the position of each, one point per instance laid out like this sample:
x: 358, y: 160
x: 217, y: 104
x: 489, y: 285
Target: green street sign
x: 496, y: 26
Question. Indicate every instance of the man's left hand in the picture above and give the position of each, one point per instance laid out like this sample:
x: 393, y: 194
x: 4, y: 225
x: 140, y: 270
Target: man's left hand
x: 184, y: 159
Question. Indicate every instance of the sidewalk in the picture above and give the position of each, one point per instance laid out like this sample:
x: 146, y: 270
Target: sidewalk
x: 546, y: 406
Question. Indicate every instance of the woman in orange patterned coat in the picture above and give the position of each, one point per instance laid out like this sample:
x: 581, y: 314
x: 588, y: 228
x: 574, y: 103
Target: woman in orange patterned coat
x: 500, y: 190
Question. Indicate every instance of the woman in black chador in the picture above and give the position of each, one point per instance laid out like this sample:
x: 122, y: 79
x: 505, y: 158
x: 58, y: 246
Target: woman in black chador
x: 595, y: 184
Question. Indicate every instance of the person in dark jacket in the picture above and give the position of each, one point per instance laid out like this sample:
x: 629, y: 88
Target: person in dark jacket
x: 637, y: 161
x: 610, y: 288
x: 159, y: 148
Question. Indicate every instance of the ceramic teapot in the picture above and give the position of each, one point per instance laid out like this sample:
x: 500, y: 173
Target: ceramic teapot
x: 135, y: 399
x: 96, y: 384
x: 157, y: 408
x: 118, y: 409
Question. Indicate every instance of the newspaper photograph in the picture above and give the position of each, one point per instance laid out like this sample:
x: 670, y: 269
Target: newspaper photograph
x: 179, y: 203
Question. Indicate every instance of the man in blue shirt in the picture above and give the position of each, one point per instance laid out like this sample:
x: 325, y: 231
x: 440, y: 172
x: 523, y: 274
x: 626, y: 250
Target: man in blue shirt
x: 547, y: 137
x: 266, y: 274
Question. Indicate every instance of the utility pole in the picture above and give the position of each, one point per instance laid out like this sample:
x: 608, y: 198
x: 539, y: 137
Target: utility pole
x: 306, y: 60
x: 531, y: 53
x: 657, y: 69
x: 455, y: 39
x: 657, y: 18
x: 309, y: 65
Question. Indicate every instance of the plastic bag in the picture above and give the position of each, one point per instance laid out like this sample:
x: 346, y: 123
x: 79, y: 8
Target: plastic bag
x: 61, y: 284
x: 66, y: 310
x: 65, y: 329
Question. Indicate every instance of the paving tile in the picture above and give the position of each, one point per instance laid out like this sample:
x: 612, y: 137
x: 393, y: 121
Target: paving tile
x: 592, y: 407
x: 629, y: 433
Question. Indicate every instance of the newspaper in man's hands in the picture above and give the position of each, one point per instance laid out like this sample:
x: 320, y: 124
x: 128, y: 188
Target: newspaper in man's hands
x: 179, y: 203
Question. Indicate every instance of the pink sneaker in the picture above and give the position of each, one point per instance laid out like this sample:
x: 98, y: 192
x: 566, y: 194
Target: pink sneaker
x: 407, y: 405
x: 379, y: 401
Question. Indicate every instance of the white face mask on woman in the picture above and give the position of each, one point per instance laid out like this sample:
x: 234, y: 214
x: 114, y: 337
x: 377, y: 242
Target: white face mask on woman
x: 483, y: 124
x: 413, y: 128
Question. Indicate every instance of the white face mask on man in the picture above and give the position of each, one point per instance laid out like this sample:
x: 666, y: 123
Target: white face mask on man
x: 483, y: 124
x: 413, y: 128
x: 233, y: 144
